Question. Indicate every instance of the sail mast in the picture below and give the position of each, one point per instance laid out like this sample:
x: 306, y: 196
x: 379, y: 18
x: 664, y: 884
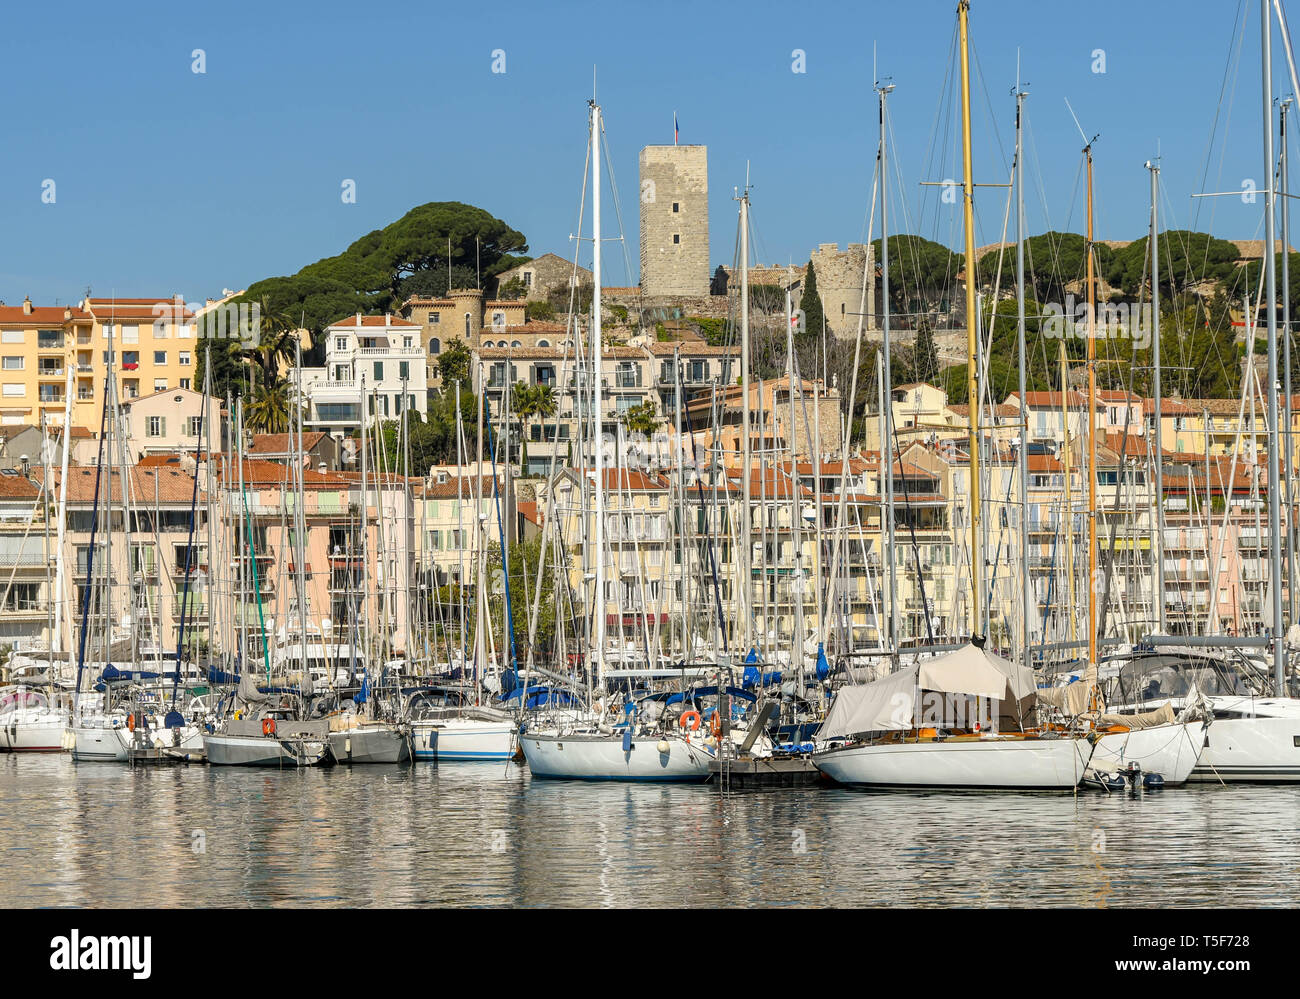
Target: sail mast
x: 1155, y: 360
x: 1092, y: 435
x: 1270, y: 298
x: 599, y: 533
x: 972, y: 327
x: 1026, y: 588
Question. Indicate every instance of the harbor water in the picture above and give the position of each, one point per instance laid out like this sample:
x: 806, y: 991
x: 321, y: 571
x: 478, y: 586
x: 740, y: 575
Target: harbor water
x: 490, y: 835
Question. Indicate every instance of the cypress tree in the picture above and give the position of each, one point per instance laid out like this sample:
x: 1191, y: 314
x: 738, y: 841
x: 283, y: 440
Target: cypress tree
x: 811, y: 305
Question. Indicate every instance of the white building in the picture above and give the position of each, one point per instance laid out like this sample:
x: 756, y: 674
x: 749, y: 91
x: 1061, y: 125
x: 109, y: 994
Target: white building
x: 373, y: 365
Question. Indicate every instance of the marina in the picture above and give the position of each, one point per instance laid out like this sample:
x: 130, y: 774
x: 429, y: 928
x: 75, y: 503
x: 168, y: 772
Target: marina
x: 949, y: 571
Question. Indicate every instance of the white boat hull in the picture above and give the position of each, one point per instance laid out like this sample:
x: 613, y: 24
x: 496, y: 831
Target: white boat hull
x: 1168, y: 750
x: 1251, y: 750
x: 33, y: 731
x: 463, y: 739
x: 994, y: 764
x: 602, y: 757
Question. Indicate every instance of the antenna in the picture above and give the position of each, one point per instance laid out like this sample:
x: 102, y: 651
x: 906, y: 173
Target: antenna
x: 1086, y: 141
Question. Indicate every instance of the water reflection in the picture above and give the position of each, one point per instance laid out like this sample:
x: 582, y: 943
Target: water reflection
x: 488, y: 835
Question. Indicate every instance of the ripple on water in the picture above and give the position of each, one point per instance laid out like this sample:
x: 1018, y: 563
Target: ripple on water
x: 488, y: 835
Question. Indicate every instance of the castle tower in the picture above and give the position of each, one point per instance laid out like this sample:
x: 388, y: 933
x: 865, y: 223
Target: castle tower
x: 675, y: 220
x: 839, y: 283
x: 469, y: 315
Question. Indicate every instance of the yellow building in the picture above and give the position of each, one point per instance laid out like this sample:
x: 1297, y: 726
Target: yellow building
x: 47, y: 352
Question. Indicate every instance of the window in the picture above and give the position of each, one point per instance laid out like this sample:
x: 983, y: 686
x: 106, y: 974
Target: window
x: 157, y: 426
x: 403, y: 370
x: 160, y: 384
x: 528, y: 279
x: 130, y: 357
x: 408, y: 342
x: 341, y: 373
x: 340, y: 343
x: 543, y: 343
x: 677, y: 237
x: 434, y: 318
x: 467, y: 327
x: 185, y: 383
x: 185, y: 332
x: 160, y: 357
x: 11, y: 336
x: 15, y: 388
x: 379, y: 371
x: 499, y: 320
x: 184, y: 357
x: 49, y: 339
x: 435, y: 346
x: 132, y: 386
x: 13, y: 364
x: 131, y: 334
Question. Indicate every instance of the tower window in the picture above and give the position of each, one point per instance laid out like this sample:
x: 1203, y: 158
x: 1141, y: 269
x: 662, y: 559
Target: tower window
x: 674, y: 206
x: 677, y: 237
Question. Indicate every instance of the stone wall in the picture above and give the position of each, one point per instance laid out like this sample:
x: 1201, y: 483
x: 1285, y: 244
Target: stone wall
x: 839, y: 283
x: 674, y: 197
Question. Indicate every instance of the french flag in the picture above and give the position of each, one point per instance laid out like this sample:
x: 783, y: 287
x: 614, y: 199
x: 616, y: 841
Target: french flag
x: 674, y: 128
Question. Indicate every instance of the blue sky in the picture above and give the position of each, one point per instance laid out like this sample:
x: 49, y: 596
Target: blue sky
x: 170, y: 181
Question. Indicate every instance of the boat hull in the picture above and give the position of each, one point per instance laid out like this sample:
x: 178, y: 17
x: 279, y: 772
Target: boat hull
x: 1171, y: 751
x: 986, y: 764
x: 31, y: 732
x: 265, y: 751
x: 1255, y: 750
x: 601, y: 757
x: 371, y: 744
x: 463, y: 739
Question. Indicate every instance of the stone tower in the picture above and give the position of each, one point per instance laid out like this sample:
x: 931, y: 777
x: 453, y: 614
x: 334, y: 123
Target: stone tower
x: 839, y: 283
x: 469, y: 315
x: 675, y: 221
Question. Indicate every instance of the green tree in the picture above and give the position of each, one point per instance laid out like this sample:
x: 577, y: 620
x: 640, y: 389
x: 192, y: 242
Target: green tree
x: 810, y: 304
x: 512, y: 290
x: 453, y: 364
x: 268, y: 411
x: 641, y: 419
x: 540, y: 309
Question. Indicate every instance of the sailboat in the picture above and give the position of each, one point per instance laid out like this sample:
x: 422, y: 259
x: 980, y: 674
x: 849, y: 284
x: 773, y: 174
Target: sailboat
x: 911, y: 728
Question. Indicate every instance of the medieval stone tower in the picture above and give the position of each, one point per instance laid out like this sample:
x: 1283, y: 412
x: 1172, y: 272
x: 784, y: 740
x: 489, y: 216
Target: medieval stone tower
x: 839, y: 284
x: 675, y: 221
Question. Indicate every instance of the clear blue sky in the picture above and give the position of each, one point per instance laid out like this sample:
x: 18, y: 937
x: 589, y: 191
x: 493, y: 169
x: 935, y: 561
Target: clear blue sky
x: 170, y: 181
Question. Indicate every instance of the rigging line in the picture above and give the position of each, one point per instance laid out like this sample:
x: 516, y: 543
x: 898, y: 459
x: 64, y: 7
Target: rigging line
x: 1229, y: 74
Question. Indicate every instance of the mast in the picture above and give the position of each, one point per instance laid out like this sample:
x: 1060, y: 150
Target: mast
x: 887, y: 406
x: 1285, y: 206
x: 1092, y: 434
x: 1026, y: 587
x: 365, y: 528
x: 1155, y: 360
x: 972, y: 328
x: 1270, y: 298
x: 745, y: 547
x: 796, y: 536
x: 599, y: 533
x: 1069, y: 494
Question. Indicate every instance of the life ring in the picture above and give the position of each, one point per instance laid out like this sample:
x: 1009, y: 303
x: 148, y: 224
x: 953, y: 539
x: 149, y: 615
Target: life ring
x: 130, y: 722
x: 715, y: 725
x: 690, y: 719
x: 268, y: 726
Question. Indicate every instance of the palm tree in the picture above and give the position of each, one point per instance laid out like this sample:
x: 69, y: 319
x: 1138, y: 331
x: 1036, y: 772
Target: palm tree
x: 268, y: 412
x: 523, y: 402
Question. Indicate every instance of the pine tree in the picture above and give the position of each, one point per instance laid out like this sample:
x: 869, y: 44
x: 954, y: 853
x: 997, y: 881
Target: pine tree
x: 925, y: 360
x: 810, y: 304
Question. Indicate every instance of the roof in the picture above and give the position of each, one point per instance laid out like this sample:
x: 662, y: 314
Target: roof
x: 697, y: 347
x: 41, y: 315
x: 386, y: 321
x: 284, y: 443
x: 167, y: 485
x: 137, y: 308
x: 1050, y: 400
x: 627, y: 479
x: 18, y: 487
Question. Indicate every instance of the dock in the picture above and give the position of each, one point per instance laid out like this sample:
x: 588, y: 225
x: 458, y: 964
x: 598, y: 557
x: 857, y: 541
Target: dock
x: 749, y: 773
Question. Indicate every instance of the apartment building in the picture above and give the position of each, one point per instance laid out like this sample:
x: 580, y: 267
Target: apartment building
x: 374, y: 367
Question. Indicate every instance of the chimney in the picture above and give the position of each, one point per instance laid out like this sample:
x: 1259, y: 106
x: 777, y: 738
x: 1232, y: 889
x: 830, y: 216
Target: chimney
x: 27, y: 306
x: 358, y: 318
x: 322, y: 468
x: 388, y: 319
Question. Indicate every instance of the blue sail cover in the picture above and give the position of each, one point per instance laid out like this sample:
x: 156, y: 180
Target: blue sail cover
x: 744, y: 695
x: 753, y: 677
x: 823, y: 667
x: 753, y: 656
x: 363, y: 694
x: 539, y: 696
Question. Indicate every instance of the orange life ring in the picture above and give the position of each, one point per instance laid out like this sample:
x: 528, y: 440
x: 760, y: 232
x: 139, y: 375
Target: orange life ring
x: 690, y: 719
x: 130, y: 722
x: 715, y: 725
x: 268, y: 726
